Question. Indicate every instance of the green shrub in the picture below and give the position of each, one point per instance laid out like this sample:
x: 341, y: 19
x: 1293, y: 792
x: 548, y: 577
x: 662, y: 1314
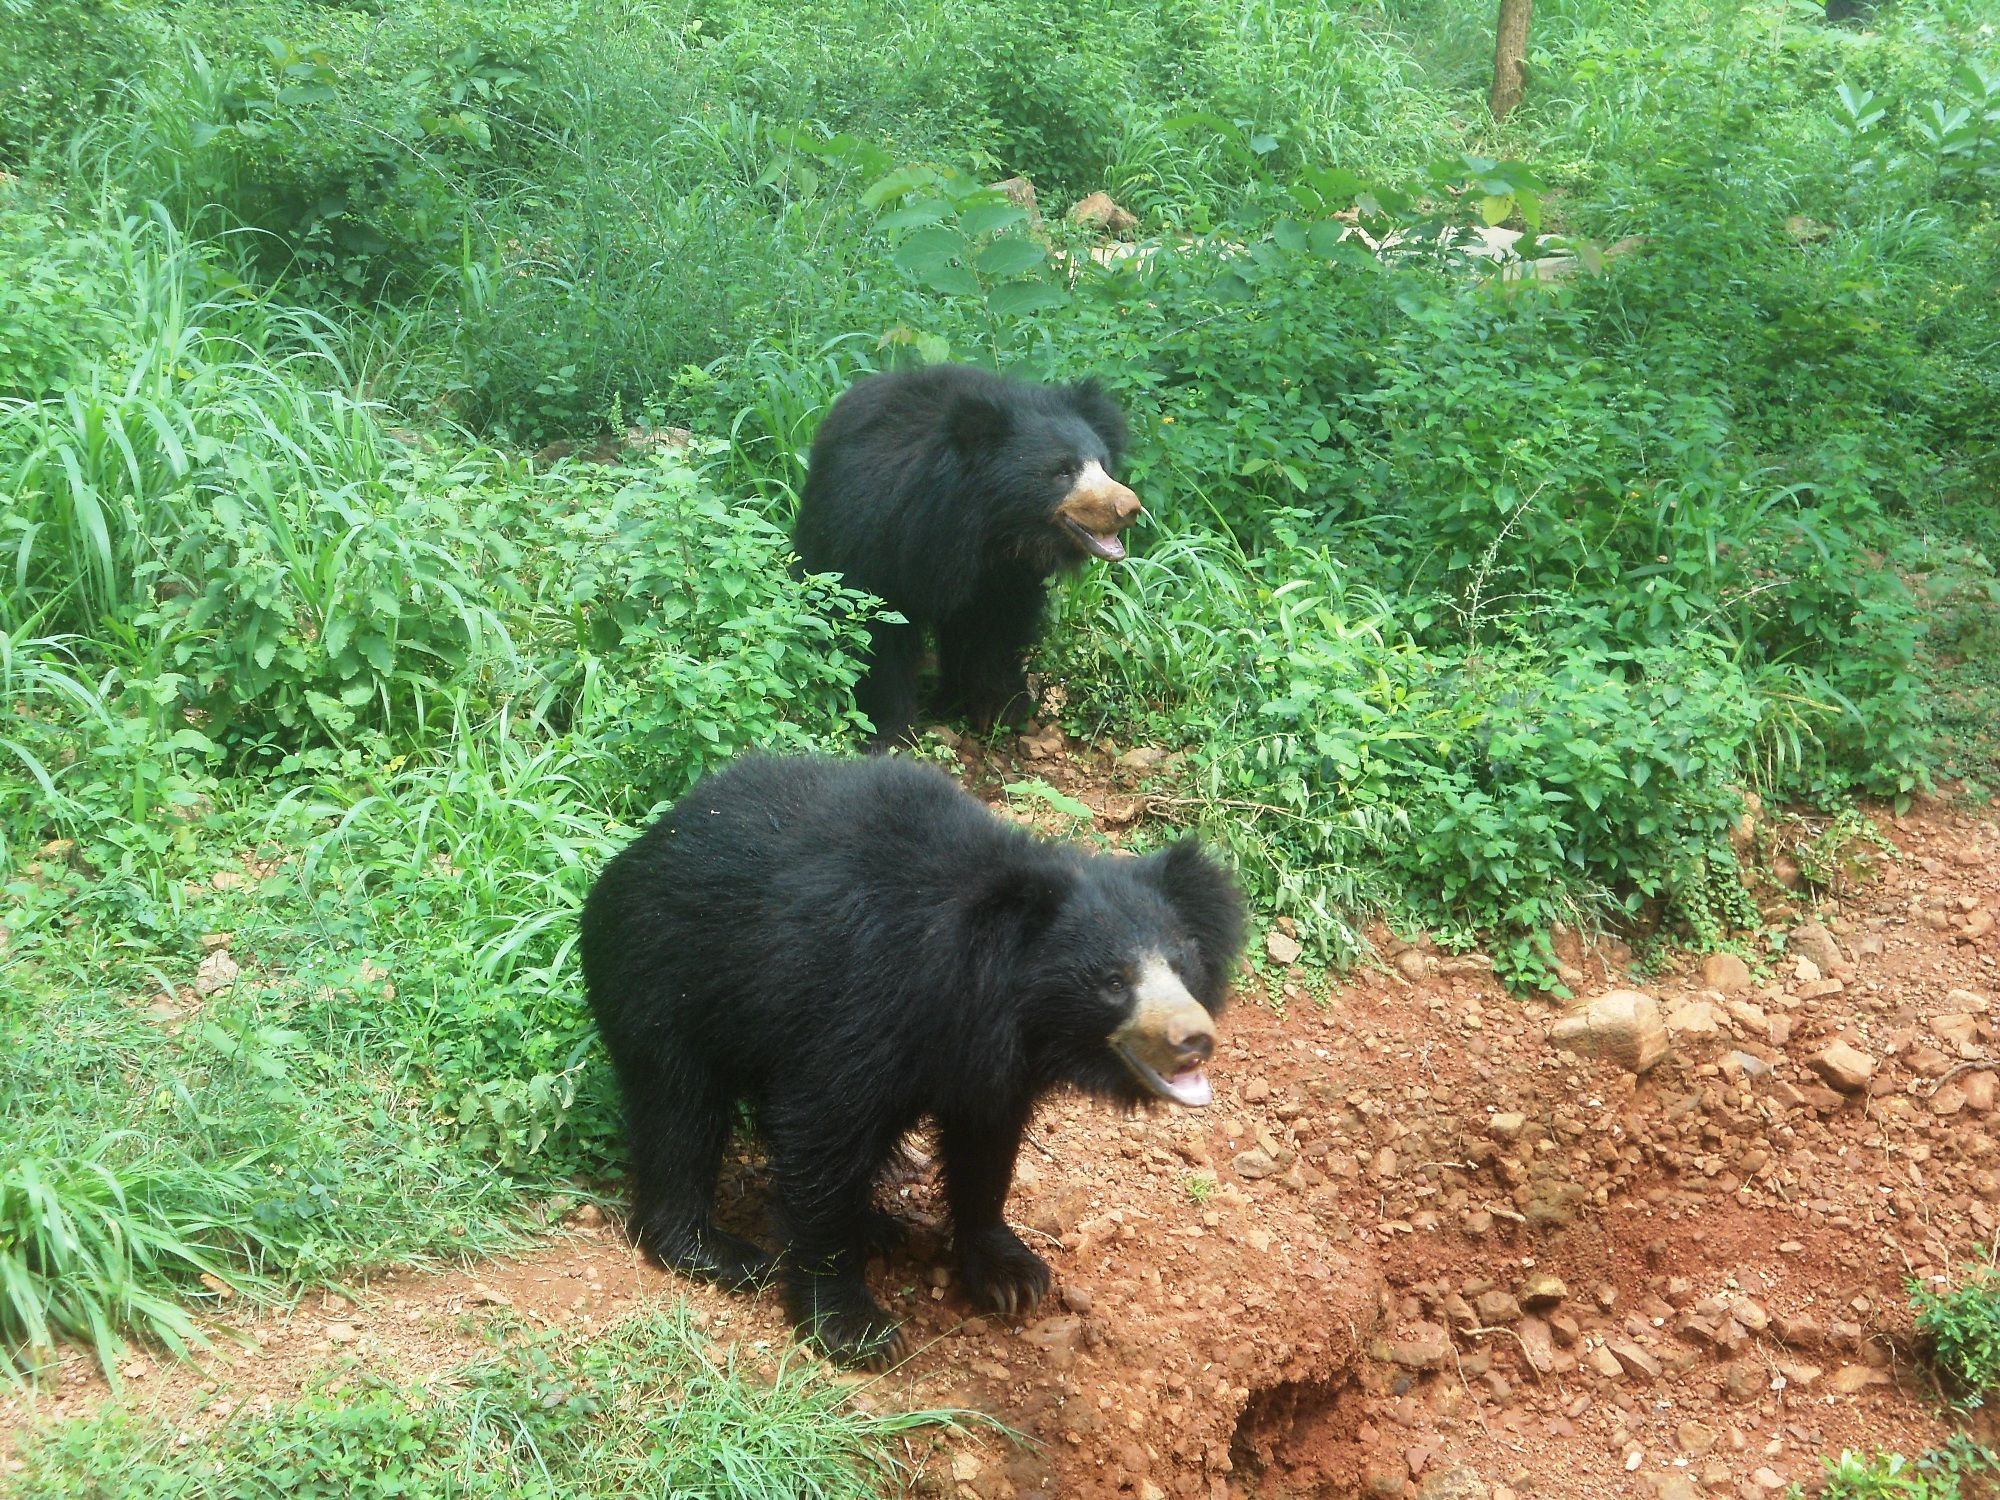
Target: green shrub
x: 62, y: 57
x: 1961, y: 1327
x: 687, y: 642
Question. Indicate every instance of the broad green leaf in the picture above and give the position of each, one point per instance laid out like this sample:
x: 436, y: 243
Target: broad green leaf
x: 1015, y: 299
x: 1010, y: 256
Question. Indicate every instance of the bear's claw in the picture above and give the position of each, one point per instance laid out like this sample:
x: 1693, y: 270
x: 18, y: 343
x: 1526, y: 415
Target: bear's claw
x: 1002, y: 1275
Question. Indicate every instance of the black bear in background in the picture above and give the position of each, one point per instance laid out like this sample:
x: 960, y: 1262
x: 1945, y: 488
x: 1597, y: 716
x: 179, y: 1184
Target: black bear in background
x: 854, y: 946
x: 953, y: 494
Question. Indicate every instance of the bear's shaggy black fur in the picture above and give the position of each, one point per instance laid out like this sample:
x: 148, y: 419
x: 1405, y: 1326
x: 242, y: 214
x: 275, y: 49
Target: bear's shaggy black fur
x: 953, y: 494
x: 856, y: 946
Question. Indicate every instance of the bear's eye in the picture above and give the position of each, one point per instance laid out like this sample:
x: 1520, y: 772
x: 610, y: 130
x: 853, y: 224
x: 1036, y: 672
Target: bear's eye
x: 1114, y: 982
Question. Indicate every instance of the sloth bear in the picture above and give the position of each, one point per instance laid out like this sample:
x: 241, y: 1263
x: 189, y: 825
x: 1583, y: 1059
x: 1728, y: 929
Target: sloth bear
x: 953, y: 494
x: 851, y: 947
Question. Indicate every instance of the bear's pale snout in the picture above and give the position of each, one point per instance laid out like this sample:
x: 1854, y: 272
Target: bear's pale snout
x: 1096, y: 509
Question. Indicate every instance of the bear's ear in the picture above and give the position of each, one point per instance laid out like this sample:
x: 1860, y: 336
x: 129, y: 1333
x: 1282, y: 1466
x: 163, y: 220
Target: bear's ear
x: 1019, y: 895
x: 977, y: 422
x: 1090, y: 401
x: 1204, y: 895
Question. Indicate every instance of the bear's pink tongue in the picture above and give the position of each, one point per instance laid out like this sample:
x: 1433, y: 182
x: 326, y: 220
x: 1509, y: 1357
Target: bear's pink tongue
x: 1191, y: 1088
x: 1107, y: 546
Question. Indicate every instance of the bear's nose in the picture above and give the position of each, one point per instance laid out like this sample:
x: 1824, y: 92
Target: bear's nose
x: 1125, y: 503
x: 1192, y: 1044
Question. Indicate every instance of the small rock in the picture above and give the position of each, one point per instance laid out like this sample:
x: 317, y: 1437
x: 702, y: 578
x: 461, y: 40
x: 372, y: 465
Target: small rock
x: 1021, y: 193
x: 1427, y: 1348
x: 1851, y: 1380
x: 1496, y: 1308
x: 1725, y: 972
x: 1960, y: 1028
x: 1505, y: 1126
x: 1537, y: 1344
x: 1412, y: 965
x: 1843, y: 1067
x: 1284, y: 950
x: 1254, y: 1164
x: 216, y: 972
x: 1453, y: 1484
x: 1695, y: 1439
x: 1696, y: 1018
x: 1980, y: 1091
x: 1623, y: 1025
x: 1058, y: 1335
x: 1742, y: 1381
x: 1099, y: 212
x: 1542, y: 1290
x: 342, y: 1333
x: 1078, y: 1299
x: 1811, y: 940
x: 1635, y: 1360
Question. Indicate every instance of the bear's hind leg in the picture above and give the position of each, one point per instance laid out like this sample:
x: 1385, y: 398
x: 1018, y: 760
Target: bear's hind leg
x: 1001, y: 1274
x: 825, y: 1186
x: 677, y: 1123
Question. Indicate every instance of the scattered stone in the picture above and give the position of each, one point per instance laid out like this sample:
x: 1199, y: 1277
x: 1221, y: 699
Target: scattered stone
x: 1635, y: 1360
x: 1960, y: 1028
x: 1078, y: 1299
x: 1696, y: 1018
x: 1505, y: 1126
x: 1496, y: 1308
x: 216, y: 973
x: 1099, y: 212
x: 342, y: 1333
x: 1254, y: 1164
x: 1453, y: 1484
x: 1852, y: 1380
x: 1742, y: 1381
x: 1843, y: 1067
x: 1283, y: 949
x: 1537, y: 1344
x: 1811, y: 940
x: 1542, y: 1290
x: 1696, y: 1439
x: 1412, y: 965
x: 1725, y: 972
x: 1623, y: 1025
x: 1981, y: 1089
x: 1427, y: 1348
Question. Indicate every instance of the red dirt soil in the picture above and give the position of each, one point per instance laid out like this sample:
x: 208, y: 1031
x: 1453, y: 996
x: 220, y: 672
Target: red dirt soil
x: 1413, y: 1248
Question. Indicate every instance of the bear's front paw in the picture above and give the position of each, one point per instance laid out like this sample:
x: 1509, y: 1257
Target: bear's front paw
x: 848, y: 1326
x: 1002, y: 1275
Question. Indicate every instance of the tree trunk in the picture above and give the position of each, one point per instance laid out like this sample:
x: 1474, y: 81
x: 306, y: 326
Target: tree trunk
x: 1510, y: 49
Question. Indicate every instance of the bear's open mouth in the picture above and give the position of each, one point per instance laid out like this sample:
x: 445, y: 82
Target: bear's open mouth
x: 1106, y: 545
x: 1189, y: 1087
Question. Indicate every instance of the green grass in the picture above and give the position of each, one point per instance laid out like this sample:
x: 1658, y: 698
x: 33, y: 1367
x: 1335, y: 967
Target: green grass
x: 651, y: 1408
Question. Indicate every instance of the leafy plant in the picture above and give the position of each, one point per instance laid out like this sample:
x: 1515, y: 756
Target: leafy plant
x: 1962, y: 1329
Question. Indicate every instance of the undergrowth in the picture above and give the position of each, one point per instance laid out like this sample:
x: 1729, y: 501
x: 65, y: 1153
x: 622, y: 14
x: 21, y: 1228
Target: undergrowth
x: 650, y: 1408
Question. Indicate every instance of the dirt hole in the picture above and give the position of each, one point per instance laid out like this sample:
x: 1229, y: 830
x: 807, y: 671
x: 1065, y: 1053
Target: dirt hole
x: 1300, y: 1440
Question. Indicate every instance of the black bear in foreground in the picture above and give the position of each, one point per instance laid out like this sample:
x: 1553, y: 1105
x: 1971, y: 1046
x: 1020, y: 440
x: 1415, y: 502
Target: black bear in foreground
x: 954, y: 494
x: 854, y: 946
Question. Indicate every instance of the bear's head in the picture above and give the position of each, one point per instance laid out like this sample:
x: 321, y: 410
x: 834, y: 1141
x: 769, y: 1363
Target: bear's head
x: 1048, y: 455
x: 1128, y: 964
